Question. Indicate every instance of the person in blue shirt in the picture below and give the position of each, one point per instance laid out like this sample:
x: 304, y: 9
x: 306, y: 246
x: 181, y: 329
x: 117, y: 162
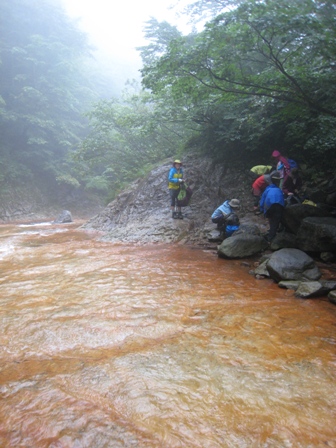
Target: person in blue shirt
x: 175, y: 178
x: 272, y: 204
x: 221, y: 214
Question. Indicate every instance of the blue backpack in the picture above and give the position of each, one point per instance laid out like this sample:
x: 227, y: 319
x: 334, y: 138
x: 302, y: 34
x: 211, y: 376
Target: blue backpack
x: 292, y: 164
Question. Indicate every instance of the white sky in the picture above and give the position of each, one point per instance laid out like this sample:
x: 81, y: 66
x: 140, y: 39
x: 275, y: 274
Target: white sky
x: 116, y: 26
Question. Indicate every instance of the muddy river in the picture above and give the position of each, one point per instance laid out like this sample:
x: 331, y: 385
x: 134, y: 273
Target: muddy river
x: 106, y: 345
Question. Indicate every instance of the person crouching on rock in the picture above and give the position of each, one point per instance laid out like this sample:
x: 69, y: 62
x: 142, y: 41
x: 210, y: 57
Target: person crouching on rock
x: 272, y: 204
x: 221, y: 214
x: 175, y: 178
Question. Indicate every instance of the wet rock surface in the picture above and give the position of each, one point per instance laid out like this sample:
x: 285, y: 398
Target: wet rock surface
x: 64, y: 217
x: 292, y: 264
x: 242, y: 245
x: 317, y: 234
x: 142, y: 212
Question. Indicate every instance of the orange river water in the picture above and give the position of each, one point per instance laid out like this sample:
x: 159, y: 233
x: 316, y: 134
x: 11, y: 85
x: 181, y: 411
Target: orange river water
x: 106, y: 345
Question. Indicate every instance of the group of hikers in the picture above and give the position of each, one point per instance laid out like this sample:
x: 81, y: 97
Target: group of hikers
x: 274, y: 186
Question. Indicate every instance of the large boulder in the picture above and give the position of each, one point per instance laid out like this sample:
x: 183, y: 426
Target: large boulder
x: 251, y: 229
x: 306, y: 290
x: 284, y: 239
x: 242, y: 245
x: 317, y: 234
x: 292, y: 264
x: 332, y: 297
x: 296, y: 213
x: 64, y: 217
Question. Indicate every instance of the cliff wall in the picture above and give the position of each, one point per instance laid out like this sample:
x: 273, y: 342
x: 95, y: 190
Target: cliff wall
x: 142, y: 212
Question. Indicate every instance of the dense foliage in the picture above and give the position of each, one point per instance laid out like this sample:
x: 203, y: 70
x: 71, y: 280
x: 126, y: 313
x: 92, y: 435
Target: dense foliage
x: 128, y: 135
x: 43, y: 93
x: 260, y: 75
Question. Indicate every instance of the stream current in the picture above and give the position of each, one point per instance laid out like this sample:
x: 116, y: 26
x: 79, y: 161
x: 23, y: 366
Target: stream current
x: 106, y: 345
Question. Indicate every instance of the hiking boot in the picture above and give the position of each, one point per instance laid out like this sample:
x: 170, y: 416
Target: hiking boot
x: 180, y: 216
x: 174, y: 215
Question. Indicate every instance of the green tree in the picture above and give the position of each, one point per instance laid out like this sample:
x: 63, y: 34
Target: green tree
x: 258, y: 63
x: 44, y: 89
x: 127, y: 137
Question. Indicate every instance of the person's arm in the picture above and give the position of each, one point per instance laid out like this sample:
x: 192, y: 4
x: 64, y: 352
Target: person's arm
x: 171, y: 178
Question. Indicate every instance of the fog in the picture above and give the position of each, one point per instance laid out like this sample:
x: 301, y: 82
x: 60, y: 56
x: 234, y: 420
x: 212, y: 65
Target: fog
x: 115, y: 30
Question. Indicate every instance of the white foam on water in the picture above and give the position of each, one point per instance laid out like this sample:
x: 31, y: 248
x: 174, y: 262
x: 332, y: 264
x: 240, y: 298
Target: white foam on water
x: 35, y: 224
x: 6, y: 249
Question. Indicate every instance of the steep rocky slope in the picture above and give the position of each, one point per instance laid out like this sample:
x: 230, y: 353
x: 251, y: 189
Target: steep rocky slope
x: 142, y: 212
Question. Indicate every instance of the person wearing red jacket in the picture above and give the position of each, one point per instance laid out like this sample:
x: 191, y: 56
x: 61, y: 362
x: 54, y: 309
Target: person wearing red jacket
x: 282, y: 165
x: 258, y: 187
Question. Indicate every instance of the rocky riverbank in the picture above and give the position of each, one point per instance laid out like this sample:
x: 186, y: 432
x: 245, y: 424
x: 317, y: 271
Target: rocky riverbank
x: 32, y: 203
x: 141, y: 214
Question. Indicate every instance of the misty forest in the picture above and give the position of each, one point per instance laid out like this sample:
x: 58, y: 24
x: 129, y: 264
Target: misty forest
x: 257, y: 76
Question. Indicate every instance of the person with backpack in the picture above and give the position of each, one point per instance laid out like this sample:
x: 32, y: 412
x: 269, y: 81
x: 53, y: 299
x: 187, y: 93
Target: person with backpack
x: 282, y: 165
x: 222, y: 213
x: 232, y: 224
x: 258, y: 187
x: 175, y: 178
x: 292, y: 186
x: 272, y: 204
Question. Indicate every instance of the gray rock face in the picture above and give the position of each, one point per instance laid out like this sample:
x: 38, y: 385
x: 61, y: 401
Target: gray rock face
x: 292, y: 264
x: 250, y: 229
x: 261, y: 270
x: 328, y: 257
x: 311, y: 289
x: 332, y: 297
x: 307, y: 289
x: 294, y: 215
x: 242, y: 245
x: 284, y: 240
x: 142, y: 213
x: 64, y: 217
x: 317, y: 234
x: 289, y: 284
